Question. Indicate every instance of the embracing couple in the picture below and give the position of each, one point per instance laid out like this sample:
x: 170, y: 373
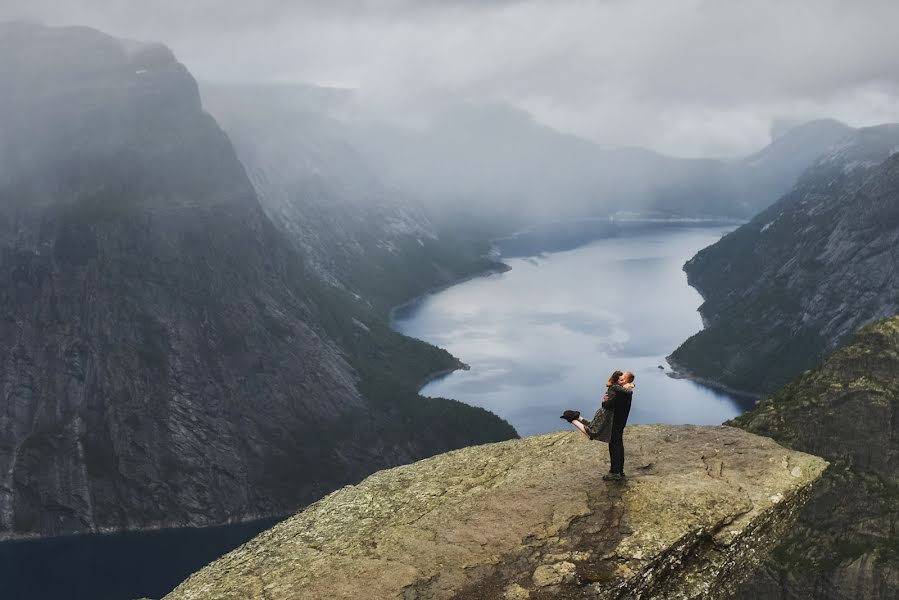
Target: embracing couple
x: 609, y: 421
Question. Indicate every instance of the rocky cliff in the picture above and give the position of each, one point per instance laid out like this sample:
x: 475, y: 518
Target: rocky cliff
x: 845, y: 544
x: 168, y: 359
x: 531, y: 518
x: 785, y: 289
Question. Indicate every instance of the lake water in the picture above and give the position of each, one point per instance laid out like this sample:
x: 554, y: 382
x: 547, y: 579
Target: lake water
x: 545, y: 335
x: 121, y: 566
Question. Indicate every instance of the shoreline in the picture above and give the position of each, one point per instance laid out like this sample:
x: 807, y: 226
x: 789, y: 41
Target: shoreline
x: 431, y: 378
x: 498, y: 267
x: 678, y: 371
x: 109, y: 532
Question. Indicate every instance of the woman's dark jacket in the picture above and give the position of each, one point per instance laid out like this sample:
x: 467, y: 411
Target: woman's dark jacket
x: 600, y: 428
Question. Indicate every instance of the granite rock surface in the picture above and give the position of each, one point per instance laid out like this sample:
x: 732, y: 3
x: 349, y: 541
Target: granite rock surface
x: 532, y: 518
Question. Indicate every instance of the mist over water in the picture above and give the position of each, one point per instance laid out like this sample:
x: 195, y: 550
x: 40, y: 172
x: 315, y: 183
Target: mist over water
x: 545, y: 335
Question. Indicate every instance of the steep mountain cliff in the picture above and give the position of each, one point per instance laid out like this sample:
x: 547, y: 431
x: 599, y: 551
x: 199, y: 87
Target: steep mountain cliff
x: 783, y: 290
x: 325, y: 195
x: 530, y: 518
x: 168, y: 358
x: 845, y: 543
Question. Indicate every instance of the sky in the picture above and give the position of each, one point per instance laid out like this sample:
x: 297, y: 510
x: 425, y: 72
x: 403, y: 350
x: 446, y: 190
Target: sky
x: 683, y: 77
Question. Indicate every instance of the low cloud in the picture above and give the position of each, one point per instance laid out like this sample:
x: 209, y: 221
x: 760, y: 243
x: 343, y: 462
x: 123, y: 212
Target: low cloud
x: 685, y: 77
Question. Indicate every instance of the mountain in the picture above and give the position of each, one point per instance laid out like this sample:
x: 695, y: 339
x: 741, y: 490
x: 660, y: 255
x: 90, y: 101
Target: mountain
x: 779, y: 164
x: 169, y: 358
x: 326, y: 196
x: 785, y: 289
x: 354, y: 190
x: 844, y: 544
x: 498, y: 163
x: 530, y: 518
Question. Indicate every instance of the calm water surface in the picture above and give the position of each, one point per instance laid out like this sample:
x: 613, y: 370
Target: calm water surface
x: 545, y: 335
x: 121, y: 566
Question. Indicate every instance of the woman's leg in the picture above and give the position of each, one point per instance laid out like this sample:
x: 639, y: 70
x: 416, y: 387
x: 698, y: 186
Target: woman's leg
x: 580, y: 425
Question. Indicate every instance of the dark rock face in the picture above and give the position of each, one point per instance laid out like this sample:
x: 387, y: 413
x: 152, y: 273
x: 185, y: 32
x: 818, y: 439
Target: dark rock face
x: 167, y: 358
x: 845, y: 542
x: 786, y: 288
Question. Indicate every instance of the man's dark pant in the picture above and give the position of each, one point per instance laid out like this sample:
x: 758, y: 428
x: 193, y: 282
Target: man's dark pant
x: 616, y: 450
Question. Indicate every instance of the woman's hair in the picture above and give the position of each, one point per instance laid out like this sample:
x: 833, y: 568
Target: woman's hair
x: 614, y: 378
x: 629, y: 375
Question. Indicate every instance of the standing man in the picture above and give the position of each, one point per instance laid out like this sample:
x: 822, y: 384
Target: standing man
x: 619, y: 402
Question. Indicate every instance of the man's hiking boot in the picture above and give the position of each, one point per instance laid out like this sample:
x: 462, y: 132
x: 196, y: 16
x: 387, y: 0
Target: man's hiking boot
x: 613, y: 477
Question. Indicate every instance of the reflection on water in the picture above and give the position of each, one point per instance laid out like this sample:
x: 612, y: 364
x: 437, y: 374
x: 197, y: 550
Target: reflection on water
x: 545, y: 335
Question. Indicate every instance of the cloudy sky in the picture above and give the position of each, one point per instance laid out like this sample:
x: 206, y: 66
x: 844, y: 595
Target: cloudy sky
x: 684, y: 77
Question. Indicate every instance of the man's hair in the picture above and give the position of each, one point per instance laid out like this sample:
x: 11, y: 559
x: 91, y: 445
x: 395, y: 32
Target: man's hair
x: 630, y: 376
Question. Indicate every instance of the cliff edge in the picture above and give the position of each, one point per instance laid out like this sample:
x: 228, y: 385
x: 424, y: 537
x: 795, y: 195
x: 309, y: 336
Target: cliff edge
x: 845, y: 543
x: 531, y: 518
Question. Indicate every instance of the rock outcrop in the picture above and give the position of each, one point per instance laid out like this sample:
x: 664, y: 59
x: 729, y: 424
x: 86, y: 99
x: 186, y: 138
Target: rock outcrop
x: 168, y: 359
x: 531, y: 518
x: 784, y: 290
x: 844, y: 544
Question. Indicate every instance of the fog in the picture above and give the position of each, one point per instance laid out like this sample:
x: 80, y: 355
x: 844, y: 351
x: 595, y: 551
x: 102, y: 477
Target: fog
x: 681, y: 77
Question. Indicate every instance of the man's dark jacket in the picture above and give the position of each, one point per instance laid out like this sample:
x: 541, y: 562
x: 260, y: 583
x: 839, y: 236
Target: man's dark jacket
x: 619, y: 403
